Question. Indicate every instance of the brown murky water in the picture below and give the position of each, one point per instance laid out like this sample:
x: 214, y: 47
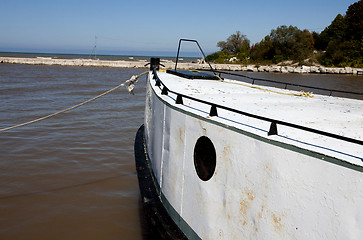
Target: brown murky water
x: 73, y: 176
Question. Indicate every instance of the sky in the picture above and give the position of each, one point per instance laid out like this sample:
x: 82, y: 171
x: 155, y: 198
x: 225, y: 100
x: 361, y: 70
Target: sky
x: 136, y: 27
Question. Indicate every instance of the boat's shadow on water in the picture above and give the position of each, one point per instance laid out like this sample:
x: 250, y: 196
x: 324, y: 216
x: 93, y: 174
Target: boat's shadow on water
x: 145, y: 229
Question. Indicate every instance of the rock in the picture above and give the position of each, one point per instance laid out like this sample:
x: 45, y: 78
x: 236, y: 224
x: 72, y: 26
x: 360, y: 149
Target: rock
x: 201, y: 61
x: 342, y: 71
x: 322, y: 70
x: 358, y: 71
x: 219, y: 67
x: 262, y: 68
x: 305, y: 69
x: 330, y: 70
x: 275, y: 69
x: 284, y: 70
x: 348, y: 70
x: 170, y: 65
x: 233, y: 59
x: 314, y: 69
x: 297, y: 70
x: 285, y: 63
x: 290, y: 69
x: 251, y: 68
x: 235, y: 67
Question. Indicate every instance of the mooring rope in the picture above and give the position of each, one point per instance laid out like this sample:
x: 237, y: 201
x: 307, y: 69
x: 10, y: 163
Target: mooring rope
x: 130, y: 88
x: 300, y: 94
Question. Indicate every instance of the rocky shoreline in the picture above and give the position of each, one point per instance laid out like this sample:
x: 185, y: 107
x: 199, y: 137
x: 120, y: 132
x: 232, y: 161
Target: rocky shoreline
x: 290, y: 69
x: 170, y: 64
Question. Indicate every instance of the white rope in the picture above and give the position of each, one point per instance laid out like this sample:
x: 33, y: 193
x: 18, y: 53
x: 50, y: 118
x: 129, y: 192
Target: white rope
x: 130, y: 88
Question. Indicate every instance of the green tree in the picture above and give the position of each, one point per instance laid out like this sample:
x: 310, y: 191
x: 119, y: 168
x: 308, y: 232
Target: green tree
x: 341, y: 43
x: 262, y: 51
x: 219, y: 57
x: 303, y: 45
x: 235, y: 43
x: 282, y: 40
x: 354, y: 34
x: 342, y: 40
x: 354, y: 21
x: 336, y: 32
x: 291, y: 43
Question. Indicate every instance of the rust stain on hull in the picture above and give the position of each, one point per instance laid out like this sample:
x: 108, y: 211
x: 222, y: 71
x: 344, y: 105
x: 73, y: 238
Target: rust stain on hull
x: 277, y: 222
x: 245, y: 203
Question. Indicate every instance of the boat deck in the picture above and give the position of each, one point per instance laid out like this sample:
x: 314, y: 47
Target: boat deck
x: 335, y: 115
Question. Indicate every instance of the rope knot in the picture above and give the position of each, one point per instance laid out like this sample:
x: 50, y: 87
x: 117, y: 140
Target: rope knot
x: 306, y: 94
x: 131, y: 84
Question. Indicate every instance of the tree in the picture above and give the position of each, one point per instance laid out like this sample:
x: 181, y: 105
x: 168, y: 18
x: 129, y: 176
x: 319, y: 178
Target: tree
x: 303, y: 45
x: 291, y: 43
x: 335, y: 31
x: 342, y: 40
x: 219, y: 57
x: 263, y: 50
x: 235, y: 43
x: 354, y: 21
x: 341, y: 43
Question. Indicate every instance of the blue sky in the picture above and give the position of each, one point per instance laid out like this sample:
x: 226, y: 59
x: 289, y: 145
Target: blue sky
x: 137, y: 27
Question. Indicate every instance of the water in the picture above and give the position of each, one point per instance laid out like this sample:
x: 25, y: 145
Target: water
x: 340, y: 82
x: 73, y: 176
x: 100, y: 57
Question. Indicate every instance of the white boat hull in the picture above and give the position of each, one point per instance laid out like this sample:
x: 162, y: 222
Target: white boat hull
x: 261, y: 188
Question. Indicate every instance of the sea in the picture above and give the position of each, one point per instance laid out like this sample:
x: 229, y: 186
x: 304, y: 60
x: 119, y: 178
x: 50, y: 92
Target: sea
x: 73, y: 176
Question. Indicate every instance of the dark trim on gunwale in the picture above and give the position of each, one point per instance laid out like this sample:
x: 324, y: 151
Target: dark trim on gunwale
x: 158, y: 218
x: 272, y: 121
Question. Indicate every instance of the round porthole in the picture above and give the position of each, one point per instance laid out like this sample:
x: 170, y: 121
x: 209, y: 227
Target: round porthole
x: 204, y: 158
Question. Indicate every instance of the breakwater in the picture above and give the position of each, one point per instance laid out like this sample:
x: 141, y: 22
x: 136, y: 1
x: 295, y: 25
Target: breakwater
x: 170, y: 64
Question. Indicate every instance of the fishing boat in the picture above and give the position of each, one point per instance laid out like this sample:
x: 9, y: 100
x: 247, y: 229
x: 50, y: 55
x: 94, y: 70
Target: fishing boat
x: 223, y: 159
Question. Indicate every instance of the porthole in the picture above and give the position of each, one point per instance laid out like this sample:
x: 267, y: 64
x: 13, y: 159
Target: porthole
x: 204, y: 158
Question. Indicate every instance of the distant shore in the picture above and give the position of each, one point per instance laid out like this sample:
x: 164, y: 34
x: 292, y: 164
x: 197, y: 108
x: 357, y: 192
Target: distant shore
x: 181, y: 65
